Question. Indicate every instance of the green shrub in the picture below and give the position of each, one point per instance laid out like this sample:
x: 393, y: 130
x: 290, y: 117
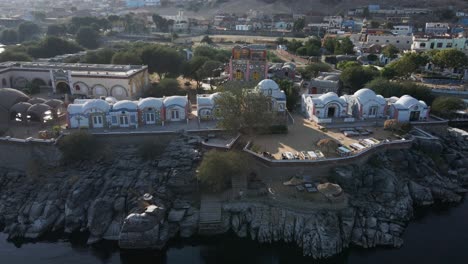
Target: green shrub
x: 78, y: 146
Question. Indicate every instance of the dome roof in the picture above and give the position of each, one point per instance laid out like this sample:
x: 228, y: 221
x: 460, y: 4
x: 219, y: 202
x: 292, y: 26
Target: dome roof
x: 75, y: 109
x: 9, y: 97
x: 37, y: 100
x: 125, y: 104
x: 327, y: 98
x: 175, y: 100
x: 54, y: 103
x: 365, y: 95
x: 111, y: 100
x: 38, y: 109
x: 150, y: 102
x: 406, y: 102
x: 331, y: 78
x: 267, y: 84
x: 21, y: 107
x: 99, y: 104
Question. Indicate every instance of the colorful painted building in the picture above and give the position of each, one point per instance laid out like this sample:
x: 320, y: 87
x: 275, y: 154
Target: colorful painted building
x: 248, y: 63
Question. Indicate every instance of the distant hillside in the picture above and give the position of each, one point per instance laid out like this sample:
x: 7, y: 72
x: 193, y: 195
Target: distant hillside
x: 312, y: 7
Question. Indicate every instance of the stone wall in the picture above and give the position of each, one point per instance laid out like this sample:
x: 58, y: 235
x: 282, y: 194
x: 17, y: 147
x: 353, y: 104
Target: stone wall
x: 21, y: 154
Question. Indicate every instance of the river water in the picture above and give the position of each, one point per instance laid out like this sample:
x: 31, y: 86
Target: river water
x: 437, y: 235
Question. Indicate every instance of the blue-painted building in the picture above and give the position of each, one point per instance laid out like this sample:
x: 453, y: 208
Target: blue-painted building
x: 135, y: 3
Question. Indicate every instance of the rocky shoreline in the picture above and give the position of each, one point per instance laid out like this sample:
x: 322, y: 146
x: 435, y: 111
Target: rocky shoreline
x: 105, y: 197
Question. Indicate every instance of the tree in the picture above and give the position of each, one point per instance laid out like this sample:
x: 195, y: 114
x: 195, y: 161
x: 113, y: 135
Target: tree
x: 27, y: 31
x: 354, y: 78
x: 390, y: 51
x: 243, y: 109
x: 166, y: 87
x: 14, y: 56
x: 388, y: 89
x: 78, y: 146
x: 344, y: 46
x: 342, y: 65
x: 293, y: 45
x: 218, y: 167
x: 372, y: 57
x: 281, y: 41
x: 56, y: 30
x: 312, y: 70
x: 162, y: 23
x: 446, y: 106
x: 374, y: 24
x: 9, y: 36
x: 450, y: 58
x: 220, y: 55
x: 405, y: 66
x: 328, y: 145
x: 329, y: 44
x: 38, y: 16
x: 299, y: 24
x: 126, y: 57
x: 193, y: 69
x: 52, y: 46
x: 207, y: 40
x: 366, y: 13
x: 292, y: 94
x: 101, y: 56
x: 162, y: 60
x: 391, y: 124
x: 87, y: 37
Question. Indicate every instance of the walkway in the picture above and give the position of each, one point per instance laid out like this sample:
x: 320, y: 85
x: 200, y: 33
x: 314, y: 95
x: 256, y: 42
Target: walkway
x: 210, y: 214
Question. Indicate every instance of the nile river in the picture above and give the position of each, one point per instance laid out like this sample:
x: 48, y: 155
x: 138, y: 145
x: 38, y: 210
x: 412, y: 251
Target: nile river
x: 437, y: 235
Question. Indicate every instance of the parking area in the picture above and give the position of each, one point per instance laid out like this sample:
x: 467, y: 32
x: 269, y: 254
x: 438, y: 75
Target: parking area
x: 304, y: 135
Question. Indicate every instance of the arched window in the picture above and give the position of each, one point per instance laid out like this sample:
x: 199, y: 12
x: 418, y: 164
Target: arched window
x: 256, y: 76
x: 77, y: 87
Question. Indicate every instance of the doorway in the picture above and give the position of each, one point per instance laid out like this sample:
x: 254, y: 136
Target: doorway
x: 123, y: 121
x: 150, y: 118
x: 331, y: 112
x: 414, y: 115
x: 98, y: 122
x: 175, y: 115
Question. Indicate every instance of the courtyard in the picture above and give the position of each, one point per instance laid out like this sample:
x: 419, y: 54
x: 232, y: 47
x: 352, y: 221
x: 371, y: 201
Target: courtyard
x: 304, y: 135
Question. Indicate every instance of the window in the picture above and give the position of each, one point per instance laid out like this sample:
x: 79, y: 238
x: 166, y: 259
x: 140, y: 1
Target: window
x: 175, y: 114
x: 387, y: 41
x: 114, y: 120
x: 439, y: 45
x: 150, y: 118
x: 123, y: 120
x: 256, y: 76
x: 407, y: 42
x: 376, y: 40
x: 397, y: 41
x: 449, y: 45
x: 239, y: 75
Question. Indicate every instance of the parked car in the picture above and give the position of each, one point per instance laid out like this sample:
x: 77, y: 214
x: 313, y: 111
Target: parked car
x: 304, y: 155
x: 287, y: 155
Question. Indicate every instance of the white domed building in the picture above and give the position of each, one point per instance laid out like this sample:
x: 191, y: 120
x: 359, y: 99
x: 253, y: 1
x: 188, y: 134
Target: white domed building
x: 88, y: 113
x: 409, y: 109
x: 124, y: 114
x: 365, y: 103
x: 272, y: 90
x: 206, y: 106
x: 151, y: 111
x: 177, y: 108
x: 325, y: 107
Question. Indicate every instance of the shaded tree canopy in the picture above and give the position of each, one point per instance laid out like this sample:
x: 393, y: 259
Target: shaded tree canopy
x: 354, y: 78
x: 244, y: 109
x: 87, y: 37
x: 390, y: 51
x: 450, y: 58
x: 27, y: 31
x: 56, y: 30
x: 218, y: 167
x: 446, y: 106
x: 52, y: 46
x: 388, y: 89
x: 9, y: 36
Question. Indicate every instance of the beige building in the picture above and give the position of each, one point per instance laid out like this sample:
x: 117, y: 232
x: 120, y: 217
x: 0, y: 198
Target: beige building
x: 87, y: 80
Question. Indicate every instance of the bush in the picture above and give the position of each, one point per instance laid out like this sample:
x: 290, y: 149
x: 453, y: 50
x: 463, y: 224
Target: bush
x: 78, y: 146
x: 217, y: 168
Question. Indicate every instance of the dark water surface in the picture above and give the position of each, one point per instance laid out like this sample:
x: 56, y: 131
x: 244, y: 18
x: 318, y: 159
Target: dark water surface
x: 437, y: 235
